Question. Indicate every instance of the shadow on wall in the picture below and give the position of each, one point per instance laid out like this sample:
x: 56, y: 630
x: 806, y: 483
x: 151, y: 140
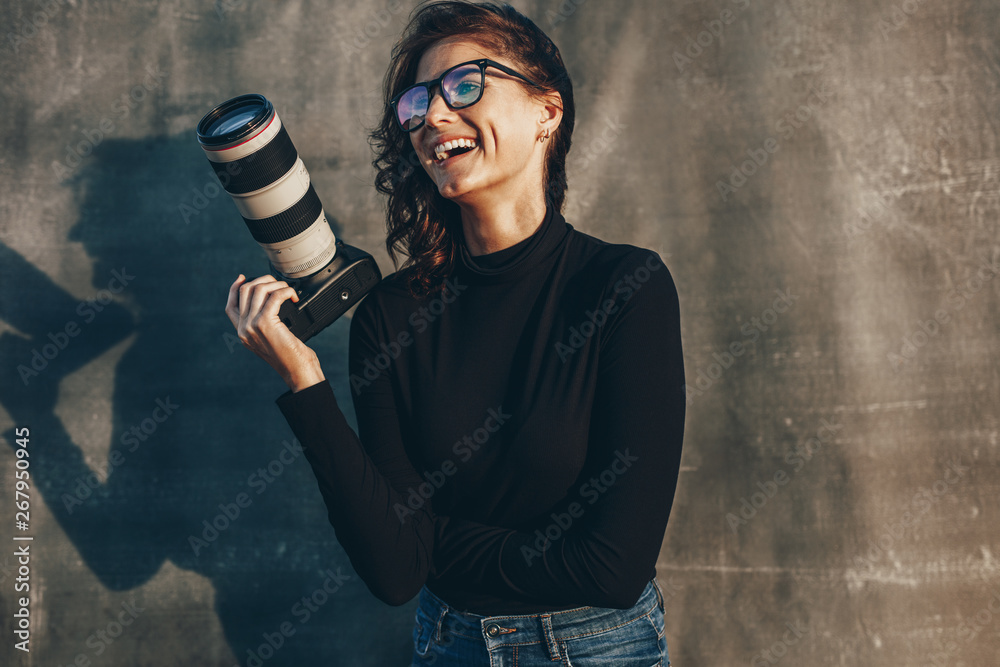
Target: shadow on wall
x: 202, y: 469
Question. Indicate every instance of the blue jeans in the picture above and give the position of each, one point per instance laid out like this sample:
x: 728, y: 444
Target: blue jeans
x: 578, y: 637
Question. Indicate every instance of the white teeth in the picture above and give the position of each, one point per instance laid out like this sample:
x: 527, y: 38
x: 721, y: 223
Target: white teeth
x: 441, y: 149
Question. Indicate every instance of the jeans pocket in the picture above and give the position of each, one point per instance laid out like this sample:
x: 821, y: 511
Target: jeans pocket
x: 656, y: 618
x: 637, y: 642
x: 659, y: 596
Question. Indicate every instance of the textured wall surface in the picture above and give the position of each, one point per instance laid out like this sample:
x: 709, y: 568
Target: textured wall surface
x: 820, y: 177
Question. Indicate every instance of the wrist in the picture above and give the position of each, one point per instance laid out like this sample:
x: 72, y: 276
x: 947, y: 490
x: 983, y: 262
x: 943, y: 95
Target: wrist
x: 307, y: 376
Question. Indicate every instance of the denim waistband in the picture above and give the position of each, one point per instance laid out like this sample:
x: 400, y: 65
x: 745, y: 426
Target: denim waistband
x: 548, y: 627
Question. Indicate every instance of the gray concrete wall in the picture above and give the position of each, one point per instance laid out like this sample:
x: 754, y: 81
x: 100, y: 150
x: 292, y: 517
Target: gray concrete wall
x: 838, y: 500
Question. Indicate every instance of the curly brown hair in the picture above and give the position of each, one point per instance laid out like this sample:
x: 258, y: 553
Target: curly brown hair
x: 419, y: 221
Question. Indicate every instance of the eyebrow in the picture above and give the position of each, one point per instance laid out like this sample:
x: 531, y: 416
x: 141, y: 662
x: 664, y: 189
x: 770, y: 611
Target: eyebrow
x: 437, y: 75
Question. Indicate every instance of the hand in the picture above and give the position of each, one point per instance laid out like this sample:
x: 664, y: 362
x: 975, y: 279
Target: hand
x: 253, y: 309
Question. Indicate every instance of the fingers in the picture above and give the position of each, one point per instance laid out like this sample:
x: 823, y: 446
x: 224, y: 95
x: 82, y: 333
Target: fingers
x: 247, y: 298
x: 263, y: 294
x: 253, y: 308
x: 247, y: 290
x: 233, y: 302
x: 274, y: 300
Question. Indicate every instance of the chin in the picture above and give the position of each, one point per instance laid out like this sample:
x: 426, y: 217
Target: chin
x: 455, y: 192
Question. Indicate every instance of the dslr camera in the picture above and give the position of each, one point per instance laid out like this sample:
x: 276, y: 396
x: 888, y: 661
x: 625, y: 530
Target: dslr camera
x: 257, y: 164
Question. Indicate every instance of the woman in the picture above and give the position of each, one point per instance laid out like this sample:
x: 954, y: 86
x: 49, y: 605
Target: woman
x: 518, y: 385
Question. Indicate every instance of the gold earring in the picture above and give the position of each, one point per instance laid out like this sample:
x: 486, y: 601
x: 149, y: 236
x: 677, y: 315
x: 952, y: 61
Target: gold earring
x: 544, y: 136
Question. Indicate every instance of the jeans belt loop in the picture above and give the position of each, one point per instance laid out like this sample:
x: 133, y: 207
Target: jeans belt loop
x: 550, y: 639
x: 440, y: 622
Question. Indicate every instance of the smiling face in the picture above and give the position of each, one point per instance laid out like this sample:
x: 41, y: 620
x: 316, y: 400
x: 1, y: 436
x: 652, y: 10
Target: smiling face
x: 506, y: 163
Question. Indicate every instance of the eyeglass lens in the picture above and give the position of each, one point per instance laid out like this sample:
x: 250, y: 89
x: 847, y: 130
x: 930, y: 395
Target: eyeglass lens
x: 460, y: 87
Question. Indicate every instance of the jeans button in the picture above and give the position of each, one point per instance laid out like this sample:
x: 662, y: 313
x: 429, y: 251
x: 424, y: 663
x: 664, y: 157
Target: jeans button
x: 493, y: 629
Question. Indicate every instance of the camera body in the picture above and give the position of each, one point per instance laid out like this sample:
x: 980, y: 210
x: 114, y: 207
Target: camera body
x: 257, y: 164
x: 330, y: 292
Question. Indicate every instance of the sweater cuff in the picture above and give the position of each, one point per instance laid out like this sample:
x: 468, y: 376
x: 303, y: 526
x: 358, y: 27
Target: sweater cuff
x: 316, y: 395
x: 314, y: 415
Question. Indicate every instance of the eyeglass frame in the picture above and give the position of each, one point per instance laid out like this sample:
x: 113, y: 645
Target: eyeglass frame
x: 436, y: 83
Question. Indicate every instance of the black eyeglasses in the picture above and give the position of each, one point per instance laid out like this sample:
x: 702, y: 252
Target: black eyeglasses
x: 461, y: 86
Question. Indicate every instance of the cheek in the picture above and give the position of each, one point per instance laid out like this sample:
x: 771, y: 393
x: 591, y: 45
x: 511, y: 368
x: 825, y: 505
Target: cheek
x: 515, y: 144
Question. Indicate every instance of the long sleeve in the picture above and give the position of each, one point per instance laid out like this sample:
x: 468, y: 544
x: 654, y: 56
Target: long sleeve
x: 362, y: 484
x: 577, y: 485
x: 602, y: 553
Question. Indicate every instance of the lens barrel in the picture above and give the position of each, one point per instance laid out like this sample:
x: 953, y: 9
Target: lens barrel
x: 257, y: 164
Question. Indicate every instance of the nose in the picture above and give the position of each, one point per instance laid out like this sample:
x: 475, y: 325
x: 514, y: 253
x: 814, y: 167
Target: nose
x: 437, y: 108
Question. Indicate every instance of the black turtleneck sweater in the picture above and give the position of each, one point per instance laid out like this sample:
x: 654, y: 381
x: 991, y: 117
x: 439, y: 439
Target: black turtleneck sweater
x: 519, y: 435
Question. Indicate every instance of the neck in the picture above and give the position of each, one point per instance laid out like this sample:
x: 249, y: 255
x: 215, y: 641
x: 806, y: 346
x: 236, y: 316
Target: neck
x: 500, y: 224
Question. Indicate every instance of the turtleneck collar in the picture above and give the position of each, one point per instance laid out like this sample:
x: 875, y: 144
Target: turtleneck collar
x: 509, y: 263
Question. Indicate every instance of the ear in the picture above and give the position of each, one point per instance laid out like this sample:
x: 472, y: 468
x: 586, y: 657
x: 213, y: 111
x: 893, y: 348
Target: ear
x: 550, y: 112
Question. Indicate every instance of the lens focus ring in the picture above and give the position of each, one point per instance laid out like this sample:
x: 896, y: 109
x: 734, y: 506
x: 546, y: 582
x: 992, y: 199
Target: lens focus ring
x: 260, y: 168
x: 290, y: 222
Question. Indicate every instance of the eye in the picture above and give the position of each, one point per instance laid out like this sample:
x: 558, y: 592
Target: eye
x: 463, y: 85
x: 465, y: 93
x: 466, y: 88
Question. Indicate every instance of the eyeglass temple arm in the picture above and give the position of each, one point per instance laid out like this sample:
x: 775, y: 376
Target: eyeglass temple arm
x: 507, y: 70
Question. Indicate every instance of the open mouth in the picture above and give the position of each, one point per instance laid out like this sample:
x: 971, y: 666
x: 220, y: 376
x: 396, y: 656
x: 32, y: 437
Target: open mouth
x: 450, y: 150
